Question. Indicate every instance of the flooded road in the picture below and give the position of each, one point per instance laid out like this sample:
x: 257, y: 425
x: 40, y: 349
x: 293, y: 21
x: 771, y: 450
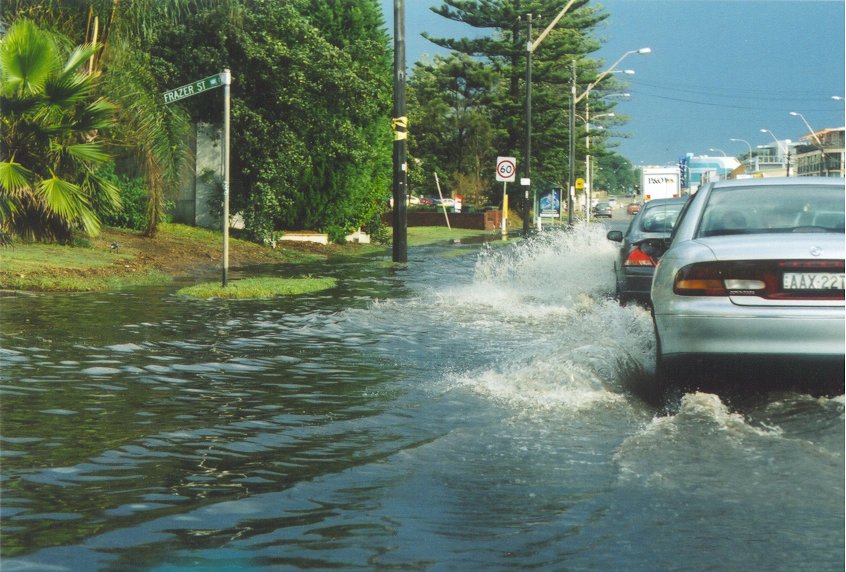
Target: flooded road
x: 473, y: 411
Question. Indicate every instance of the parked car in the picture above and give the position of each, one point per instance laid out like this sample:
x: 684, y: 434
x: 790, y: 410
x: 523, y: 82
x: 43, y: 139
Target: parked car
x: 754, y: 275
x: 426, y: 201
x: 602, y: 209
x: 633, y: 267
x: 633, y: 208
x: 613, y: 202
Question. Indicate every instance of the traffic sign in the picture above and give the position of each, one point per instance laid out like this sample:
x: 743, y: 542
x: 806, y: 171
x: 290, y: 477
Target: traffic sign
x: 506, y: 169
x: 580, y: 183
x: 194, y: 88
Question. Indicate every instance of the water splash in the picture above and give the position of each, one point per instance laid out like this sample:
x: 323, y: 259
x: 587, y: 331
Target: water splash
x: 568, y: 343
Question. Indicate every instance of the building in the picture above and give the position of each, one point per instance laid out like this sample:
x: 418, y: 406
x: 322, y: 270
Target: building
x: 700, y: 169
x: 820, y: 154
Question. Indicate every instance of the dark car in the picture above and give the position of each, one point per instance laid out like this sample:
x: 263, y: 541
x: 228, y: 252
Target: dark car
x: 634, y: 268
x: 602, y: 209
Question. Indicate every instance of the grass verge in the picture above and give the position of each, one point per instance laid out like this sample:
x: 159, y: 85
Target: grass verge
x: 258, y: 288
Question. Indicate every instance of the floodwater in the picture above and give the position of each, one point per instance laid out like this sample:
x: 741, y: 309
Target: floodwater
x: 471, y: 411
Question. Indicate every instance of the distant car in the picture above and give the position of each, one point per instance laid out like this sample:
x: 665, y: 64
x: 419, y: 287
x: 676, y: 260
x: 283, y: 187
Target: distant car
x: 754, y: 274
x: 446, y: 201
x: 613, y: 202
x: 426, y: 201
x: 602, y: 209
x: 633, y: 267
x: 633, y: 208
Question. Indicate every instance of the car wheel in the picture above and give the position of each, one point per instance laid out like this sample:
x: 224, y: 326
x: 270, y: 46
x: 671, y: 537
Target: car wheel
x: 664, y: 375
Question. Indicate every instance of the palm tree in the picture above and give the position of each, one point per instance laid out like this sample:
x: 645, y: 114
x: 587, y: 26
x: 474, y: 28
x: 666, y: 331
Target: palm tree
x: 152, y: 134
x: 49, y: 132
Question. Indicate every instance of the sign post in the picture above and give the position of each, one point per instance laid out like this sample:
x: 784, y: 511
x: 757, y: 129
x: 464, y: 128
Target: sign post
x: 222, y: 79
x: 506, y: 171
x: 227, y: 80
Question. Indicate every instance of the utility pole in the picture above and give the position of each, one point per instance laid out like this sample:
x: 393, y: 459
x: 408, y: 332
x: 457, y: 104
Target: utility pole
x: 572, y: 127
x: 400, y: 126
x: 527, y: 155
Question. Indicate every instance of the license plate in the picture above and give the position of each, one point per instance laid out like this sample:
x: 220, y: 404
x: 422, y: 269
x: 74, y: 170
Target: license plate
x: 813, y: 281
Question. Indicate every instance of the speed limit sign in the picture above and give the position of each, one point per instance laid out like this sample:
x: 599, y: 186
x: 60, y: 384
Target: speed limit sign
x: 506, y: 169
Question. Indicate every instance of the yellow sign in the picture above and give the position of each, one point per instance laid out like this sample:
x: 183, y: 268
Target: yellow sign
x: 580, y: 184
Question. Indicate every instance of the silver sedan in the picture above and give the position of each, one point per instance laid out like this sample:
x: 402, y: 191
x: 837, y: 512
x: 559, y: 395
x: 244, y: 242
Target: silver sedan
x: 754, y: 274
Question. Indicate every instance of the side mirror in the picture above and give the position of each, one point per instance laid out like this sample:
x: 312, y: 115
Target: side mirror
x: 615, y: 235
x: 655, y: 247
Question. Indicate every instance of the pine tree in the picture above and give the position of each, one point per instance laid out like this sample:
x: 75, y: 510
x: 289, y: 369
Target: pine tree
x: 503, y: 49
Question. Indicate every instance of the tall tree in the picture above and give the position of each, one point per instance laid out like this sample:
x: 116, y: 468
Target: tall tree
x: 311, y: 102
x: 453, y: 129
x: 50, y: 145
x: 146, y: 130
x: 501, y: 44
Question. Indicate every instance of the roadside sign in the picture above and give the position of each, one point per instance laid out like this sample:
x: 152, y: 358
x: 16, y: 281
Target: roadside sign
x: 194, y: 88
x: 506, y: 169
x: 580, y: 183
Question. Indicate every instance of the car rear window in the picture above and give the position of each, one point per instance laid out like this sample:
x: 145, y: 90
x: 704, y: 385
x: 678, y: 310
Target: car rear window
x: 660, y: 218
x: 775, y: 209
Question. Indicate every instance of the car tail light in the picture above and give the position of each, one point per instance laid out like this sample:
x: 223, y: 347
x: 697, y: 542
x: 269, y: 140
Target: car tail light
x: 772, y: 279
x: 637, y: 257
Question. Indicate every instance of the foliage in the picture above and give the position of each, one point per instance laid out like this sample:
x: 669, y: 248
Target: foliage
x: 495, y: 114
x: 151, y: 135
x: 451, y: 117
x: 49, y: 183
x: 310, y: 99
x: 132, y: 213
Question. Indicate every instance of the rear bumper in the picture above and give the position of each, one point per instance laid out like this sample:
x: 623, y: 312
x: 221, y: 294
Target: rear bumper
x: 812, y: 333
x: 636, y: 282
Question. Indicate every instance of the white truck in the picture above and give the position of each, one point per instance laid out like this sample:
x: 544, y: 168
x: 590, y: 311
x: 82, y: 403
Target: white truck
x: 660, y: 183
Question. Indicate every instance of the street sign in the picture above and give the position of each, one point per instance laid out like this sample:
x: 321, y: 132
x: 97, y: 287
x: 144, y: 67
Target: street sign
x: 506, y: 169
x: 580, y: 183
x: 194, y: 88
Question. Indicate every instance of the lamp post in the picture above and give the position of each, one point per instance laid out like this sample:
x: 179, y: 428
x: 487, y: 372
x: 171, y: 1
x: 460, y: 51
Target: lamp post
x: 719, y: 151
x: 747, y: 144
x: 588, y: 172
x: 588, y: 179
x: 531, y: 46
x: 823, y: 157
x: 786, y: 150
x: 574, y: 99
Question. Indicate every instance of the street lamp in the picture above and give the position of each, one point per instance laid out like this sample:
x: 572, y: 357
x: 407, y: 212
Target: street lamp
x: 719, y: 150
x: 785, y: 151
x: 588, y: 171
x: 747, y: 144
x: 823, y: 157
x: 531, y: 46
x: 810, y: 129
x: 588, y: 177
x: 574, y: 99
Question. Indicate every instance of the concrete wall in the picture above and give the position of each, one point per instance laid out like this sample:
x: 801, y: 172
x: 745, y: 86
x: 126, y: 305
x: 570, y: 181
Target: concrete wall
x: 195, y: 190
x: 488, y: 220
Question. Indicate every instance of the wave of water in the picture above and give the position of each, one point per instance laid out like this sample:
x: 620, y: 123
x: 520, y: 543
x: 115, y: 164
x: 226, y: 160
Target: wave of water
x: 548, y: 301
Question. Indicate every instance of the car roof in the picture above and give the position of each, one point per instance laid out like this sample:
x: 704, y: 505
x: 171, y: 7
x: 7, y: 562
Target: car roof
x: 649, y: 204
x: 774, y: 181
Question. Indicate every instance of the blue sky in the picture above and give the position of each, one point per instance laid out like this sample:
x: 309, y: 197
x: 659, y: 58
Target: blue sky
x: 719, y: 69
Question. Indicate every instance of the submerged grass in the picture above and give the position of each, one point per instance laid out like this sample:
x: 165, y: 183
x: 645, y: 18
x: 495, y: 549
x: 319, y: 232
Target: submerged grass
x: 120, y: 259
x: 258, y: 288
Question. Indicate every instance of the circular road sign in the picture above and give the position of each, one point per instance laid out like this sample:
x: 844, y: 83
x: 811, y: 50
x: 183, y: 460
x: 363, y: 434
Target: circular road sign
x: 506, y: 169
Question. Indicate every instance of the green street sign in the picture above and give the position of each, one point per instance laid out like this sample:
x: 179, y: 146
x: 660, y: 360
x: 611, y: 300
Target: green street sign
x: 198, y: 86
